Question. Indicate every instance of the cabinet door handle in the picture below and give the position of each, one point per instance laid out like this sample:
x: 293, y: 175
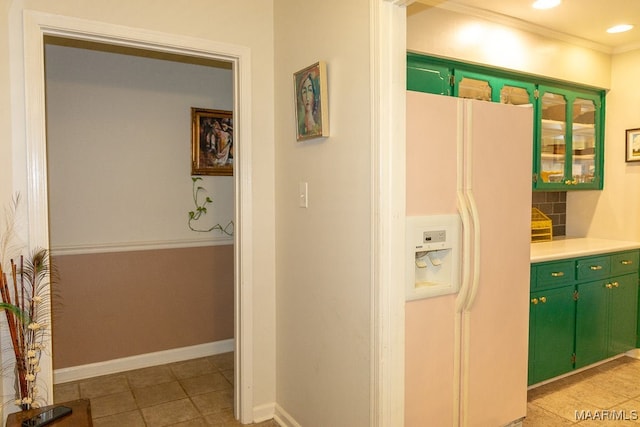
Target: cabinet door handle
x: 596, y: 267
x: 608, y: 286
x: 626, y: 262
x: 543, y: 299
x: 616, y: 284
x: 534, y: 301
x: 557, y: 274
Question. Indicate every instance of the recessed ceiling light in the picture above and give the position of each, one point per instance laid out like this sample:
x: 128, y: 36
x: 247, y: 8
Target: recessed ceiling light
x: 619, y: 28
x: 545, y: 4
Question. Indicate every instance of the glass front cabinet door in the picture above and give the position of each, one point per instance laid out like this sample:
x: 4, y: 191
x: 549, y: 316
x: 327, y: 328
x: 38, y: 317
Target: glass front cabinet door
x: 568, y: 152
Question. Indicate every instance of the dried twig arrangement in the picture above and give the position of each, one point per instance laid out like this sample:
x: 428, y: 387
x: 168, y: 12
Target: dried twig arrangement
x: 25, y: 293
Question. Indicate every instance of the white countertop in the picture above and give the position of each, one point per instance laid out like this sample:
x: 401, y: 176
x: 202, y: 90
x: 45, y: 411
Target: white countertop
x: 571, y: 247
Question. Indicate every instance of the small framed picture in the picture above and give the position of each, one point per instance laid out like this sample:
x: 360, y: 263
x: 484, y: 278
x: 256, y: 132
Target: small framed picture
x: 211, y: 142
x: 312, y: 109
x: 633, y: 145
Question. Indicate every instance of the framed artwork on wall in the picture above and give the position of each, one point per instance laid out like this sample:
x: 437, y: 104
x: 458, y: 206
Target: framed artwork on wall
x: 312, y: 109
x: 633, y: 145
x: 212, y: 142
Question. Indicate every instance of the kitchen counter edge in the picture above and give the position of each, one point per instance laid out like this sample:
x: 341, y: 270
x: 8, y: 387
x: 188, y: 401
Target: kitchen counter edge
x: 572, y: 247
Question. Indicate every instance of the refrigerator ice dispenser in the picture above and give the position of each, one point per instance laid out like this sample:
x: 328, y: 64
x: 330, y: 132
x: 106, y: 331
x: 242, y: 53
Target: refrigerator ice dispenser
x: 433, y: 256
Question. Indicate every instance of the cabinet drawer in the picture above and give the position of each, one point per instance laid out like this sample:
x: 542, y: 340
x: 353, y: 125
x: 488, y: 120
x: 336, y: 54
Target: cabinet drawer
x: 554, y: 274
x: 593, y: 268
x: 625, y: 262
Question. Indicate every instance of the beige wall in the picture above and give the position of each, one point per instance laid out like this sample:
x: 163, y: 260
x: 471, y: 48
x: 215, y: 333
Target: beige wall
x: 613, y: 213
x: 113, y: 305
x: 242, y: 23
x: 449, y: 34
x: 324, y: 252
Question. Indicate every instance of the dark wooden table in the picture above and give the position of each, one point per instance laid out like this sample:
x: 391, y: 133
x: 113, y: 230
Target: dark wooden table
x: 80, y: 417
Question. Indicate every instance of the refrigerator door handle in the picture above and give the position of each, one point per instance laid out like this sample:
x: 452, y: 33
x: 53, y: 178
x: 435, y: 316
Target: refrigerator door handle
x: 467, y: 226
x: 468, y: 212
x: 474, y: 243
x: 464, y: 211
x: 475, y: 255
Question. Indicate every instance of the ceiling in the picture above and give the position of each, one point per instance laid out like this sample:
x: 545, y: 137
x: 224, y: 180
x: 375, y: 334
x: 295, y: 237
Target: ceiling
x: 578, y: 21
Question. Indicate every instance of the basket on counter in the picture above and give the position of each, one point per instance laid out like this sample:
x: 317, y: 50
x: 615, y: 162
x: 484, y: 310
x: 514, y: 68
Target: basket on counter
x: 541, y: 227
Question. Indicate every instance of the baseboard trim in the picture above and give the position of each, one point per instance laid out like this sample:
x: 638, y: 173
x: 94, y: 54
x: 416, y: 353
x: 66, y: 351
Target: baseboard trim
x: 283, y: 418
x: 635, y: 353
x: 90, y: 370
x: 263, y: 412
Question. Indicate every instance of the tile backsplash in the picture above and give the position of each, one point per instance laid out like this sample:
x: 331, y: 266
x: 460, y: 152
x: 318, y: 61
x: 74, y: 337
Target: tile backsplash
x: 554, y: 205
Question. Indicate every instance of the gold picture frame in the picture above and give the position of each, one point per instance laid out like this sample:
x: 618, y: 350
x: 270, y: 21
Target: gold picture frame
x: 212, y: 142
x: 633, y: 145
x: 312, y: 108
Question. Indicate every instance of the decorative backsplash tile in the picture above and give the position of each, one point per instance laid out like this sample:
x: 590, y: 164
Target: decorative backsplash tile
x: 554, y: 205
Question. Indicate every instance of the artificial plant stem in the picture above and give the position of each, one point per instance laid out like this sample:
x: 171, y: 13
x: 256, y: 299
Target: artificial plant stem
x: 22, y: 281
x: 4, y: 288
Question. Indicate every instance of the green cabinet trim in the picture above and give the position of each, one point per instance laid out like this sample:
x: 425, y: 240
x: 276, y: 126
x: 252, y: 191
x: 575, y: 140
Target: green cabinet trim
x: 582, y: 310
x: 568, y: 151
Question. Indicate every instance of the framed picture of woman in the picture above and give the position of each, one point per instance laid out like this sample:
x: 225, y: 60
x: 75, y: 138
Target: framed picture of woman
x: 211, y: 142
x: 312, y: 110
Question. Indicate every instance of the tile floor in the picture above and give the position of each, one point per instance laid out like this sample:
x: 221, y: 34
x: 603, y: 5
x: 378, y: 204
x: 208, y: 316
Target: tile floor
x: 199, y: 392
x: 606, y: 395
x: 193, y: 393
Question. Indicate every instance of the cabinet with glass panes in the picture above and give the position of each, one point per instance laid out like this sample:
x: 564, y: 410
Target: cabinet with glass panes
x: 568, y: 118
x: 570, y: 138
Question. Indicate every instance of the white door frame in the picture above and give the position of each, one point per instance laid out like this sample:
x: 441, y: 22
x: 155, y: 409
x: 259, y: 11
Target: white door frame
x: 388, y: 23
x: 36, y: 26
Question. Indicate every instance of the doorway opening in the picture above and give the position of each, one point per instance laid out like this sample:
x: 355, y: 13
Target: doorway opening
x: 39, y: 26
x: 137, y: 287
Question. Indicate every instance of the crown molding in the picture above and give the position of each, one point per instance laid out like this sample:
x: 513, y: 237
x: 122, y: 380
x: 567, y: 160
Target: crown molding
x: 519, y: 24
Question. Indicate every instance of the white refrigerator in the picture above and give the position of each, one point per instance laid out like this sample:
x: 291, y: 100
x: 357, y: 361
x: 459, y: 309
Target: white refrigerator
x: 466, y: 351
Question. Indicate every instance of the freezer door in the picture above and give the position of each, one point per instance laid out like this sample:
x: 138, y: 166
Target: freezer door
x: 430, y: 350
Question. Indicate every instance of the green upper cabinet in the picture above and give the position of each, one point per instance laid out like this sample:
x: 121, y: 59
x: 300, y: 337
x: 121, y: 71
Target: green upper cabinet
x: 568, y: 139
x: 428, y: 77
x: 474, y: 85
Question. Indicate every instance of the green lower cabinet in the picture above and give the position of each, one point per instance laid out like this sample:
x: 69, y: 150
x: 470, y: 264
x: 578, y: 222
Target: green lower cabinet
x: 591, y: 323
x: 638, y: 318
x: 623, y: 314
x: 606, y: 318
x: 551, y: 333
x: 583, y: 310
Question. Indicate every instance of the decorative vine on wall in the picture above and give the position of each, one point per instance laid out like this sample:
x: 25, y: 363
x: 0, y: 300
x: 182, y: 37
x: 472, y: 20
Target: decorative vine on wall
x: 201, y: 209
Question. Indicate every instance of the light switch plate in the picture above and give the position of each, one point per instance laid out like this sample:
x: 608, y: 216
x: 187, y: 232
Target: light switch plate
x: 303, y: 195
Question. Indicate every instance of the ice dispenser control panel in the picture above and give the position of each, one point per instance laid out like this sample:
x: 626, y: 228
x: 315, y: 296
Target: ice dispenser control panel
x: 433, y: 256
x: 437, y: 236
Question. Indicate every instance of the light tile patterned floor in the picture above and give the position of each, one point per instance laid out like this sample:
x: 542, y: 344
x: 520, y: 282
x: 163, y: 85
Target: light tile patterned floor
x: 607, y: 395
x: 200, y: 393
x: 193, y: 393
